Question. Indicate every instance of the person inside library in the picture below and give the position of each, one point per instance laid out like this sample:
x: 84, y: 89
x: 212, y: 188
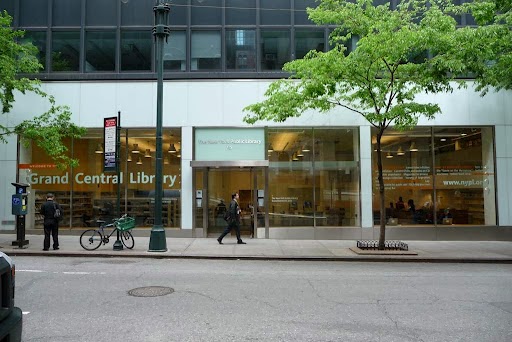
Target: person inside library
x: 400, y: 205
x: 233, y: 220
x: 52, y: 213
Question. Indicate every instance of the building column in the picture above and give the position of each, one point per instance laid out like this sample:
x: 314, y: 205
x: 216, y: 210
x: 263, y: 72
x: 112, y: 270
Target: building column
x: 365, y: 143
x: 187, y: 175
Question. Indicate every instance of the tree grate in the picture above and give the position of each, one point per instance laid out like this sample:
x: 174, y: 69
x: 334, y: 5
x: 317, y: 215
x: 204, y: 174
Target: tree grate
x: 390, y: 245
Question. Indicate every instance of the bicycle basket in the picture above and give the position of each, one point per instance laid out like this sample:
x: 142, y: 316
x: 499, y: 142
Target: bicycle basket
x: 125, y: 223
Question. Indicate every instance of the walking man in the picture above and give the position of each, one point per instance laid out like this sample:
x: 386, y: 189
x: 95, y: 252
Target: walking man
x: 234, y: 220
x: 52, y: 213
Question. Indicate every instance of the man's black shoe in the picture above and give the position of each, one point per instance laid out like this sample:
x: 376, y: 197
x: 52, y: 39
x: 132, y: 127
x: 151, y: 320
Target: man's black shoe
x: 241, y: 242
x: 56, y: 248
x: 219, y: 241
x: 45, y: 249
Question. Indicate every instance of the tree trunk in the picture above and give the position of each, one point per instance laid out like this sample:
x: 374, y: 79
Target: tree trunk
x: 382, y: 236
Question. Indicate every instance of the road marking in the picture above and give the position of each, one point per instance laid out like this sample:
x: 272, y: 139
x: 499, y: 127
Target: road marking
x: 78, y: 273
x: 25, y: 312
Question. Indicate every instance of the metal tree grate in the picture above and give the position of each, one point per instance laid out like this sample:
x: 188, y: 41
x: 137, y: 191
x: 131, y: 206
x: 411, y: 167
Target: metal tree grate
x: 374, y: 244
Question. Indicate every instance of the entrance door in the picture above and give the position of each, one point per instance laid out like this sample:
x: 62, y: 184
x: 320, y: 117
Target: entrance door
x: 222, y: 183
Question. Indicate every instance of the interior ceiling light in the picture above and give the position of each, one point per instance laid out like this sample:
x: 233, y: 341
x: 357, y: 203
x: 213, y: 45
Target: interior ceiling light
x: 270, y: 148
x: 139, y: 162
x: 172, y: 149
x: 129, y: 159
x: 299, y: 153
x: 148, y: 153
x: 305, y: 149
x: 135, y: 148
x: 400, y: 152
x: 443, y: 139
x: 166, y: 161
x: 294, y: 158
x: 389, y: 155
x: 99, y: 149
x: 463, y: 134
x: 413, y: 147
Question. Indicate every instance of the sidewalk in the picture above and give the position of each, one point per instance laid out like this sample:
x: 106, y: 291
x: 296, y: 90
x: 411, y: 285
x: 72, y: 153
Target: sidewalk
x: 271, y: 249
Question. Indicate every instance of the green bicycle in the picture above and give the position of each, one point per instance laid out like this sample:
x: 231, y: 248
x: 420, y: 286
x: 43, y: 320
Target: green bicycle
x: 92, y: 239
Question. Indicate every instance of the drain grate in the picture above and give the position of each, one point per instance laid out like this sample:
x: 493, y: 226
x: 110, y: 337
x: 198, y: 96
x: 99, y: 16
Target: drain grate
x: 151, y: 291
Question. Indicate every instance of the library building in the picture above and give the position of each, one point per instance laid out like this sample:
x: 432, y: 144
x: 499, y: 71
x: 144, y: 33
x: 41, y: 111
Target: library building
x: 310, y: 177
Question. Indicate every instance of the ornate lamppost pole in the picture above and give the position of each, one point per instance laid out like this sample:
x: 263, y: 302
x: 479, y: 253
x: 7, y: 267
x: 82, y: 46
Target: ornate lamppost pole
x: 161, y: 30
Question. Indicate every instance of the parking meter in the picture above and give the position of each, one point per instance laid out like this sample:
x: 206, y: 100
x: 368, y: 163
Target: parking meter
x: 19, y: 209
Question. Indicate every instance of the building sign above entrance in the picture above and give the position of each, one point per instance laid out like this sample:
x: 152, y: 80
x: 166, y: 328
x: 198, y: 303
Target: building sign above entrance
x: 229, y: 144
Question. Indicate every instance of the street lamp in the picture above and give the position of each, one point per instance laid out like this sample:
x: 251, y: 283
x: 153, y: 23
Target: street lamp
x: 161, y: 30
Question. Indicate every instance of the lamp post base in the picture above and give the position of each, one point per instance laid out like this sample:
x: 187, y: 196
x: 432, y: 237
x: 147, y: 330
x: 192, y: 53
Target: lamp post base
x: 157, y: 240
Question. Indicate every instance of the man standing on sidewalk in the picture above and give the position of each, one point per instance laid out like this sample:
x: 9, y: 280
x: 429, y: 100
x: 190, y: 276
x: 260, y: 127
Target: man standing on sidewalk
x: 234, y: 220
x: 52, y: 214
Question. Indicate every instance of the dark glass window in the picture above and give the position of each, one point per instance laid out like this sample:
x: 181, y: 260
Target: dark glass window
x: 275, y: 12
x: 38, y: 39
x: 241, y: 49
x: 206, y: 12
x: 137, y: 13
x: 33, y: 12
x: 136, y: 50
x: 101, y: 13
x: 240, y: 12
x: 7, y: 6
x: 275, y: 49
x: 65, y: 51
x: 306, y: 40
x: 175, y: 51
x: 301, y: 16
x: 179, y: 12
x: 66, y: 12
x: 100, y: 51
x: 205, y: 50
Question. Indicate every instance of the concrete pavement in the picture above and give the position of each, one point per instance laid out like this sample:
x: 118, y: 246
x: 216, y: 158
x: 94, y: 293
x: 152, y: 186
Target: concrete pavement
x: 273, y: 249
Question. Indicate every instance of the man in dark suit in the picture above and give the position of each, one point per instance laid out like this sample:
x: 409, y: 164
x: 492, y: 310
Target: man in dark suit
x: 234, y: 220
x: 51, y: 223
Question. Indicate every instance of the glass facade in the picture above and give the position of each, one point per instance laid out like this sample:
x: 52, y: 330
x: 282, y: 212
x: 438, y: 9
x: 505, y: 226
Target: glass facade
x: 436, y: 176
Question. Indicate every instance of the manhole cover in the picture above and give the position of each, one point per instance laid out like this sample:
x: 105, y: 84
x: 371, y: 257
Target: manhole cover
x: 151, y: 291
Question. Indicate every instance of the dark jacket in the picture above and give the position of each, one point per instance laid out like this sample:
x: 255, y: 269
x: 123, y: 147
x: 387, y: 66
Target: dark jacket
x: 234, y: 211
x: 48, y: 211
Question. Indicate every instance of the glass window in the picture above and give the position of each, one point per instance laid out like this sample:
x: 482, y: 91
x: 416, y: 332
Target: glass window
x: 7, y: 6
x: 240, y: 12
x: 66, y: 12
x: 139, y: 13
x: 33, y: 13
x: 206, y: 12
x: 301, y: 16
x: 179, y: 12
x: 65, y: 51
x: 306, y: 40
x: 136, y: 50
x: 101, y: 13
x: 175, y: 57
x: 408, y: 180
x: 100, y: 51
x: 38, y: 39
x: 206, y: 50
x: 464, y: 164
x: 241, y: 50
x: 275, y: 51
x: 275, y: 12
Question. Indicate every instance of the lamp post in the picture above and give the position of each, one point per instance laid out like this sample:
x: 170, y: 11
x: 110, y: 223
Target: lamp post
x: 161, y: 30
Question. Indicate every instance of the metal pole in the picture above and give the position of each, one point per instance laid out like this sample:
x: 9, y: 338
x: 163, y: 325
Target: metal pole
x: 118, y: 246
x: 157, y: 241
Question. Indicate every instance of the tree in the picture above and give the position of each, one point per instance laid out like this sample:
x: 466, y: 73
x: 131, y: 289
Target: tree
x: 47, y: 130
x: 400, y: 53
x: 489, y: 56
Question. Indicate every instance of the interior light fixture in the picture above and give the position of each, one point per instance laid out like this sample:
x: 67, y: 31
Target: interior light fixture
x: 172, y: 149
x: 166, y: 161
x: 305, y: 149
x: 413, y: 147
x: 148, y: 153
x: 389, y: 155
x: 400, y: 152
x: 129, y: 159
x: 270, y: 148
x: 99, y: 149
x: 299, y: 153
x: 463, y: 134
x: 178, y: 155
x: 135, y: 148
x: 443, y: 139
x: 139, y: 162
x: 294, y: 157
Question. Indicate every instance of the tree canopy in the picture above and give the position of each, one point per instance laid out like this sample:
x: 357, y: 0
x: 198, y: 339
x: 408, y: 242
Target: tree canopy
x: 47, y: 130
x: 400, y: 53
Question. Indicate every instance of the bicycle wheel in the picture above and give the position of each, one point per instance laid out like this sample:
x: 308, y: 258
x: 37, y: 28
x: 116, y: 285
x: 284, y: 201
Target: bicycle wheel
x: 91, y: 239
x: 127, y: 239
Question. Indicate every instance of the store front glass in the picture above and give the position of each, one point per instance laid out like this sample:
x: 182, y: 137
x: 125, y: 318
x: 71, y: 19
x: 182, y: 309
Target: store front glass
x: 439, y: 176
x: 87, y: 193
x: 313, y: 177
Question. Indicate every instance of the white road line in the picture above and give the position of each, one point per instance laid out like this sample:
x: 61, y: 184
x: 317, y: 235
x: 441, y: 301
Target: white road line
x: 78, y: 273
x: 33, y: 271
x: 25, y: 312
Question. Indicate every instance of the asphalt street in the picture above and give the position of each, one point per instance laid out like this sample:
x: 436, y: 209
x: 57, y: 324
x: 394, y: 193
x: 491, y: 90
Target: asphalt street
x: 87, y: 299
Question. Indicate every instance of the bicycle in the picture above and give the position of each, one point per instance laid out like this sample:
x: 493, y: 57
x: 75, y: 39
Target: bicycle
x: 91, y: 239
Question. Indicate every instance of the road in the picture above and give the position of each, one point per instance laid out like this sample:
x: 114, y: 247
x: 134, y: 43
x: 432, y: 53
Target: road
x: 86, y: 299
